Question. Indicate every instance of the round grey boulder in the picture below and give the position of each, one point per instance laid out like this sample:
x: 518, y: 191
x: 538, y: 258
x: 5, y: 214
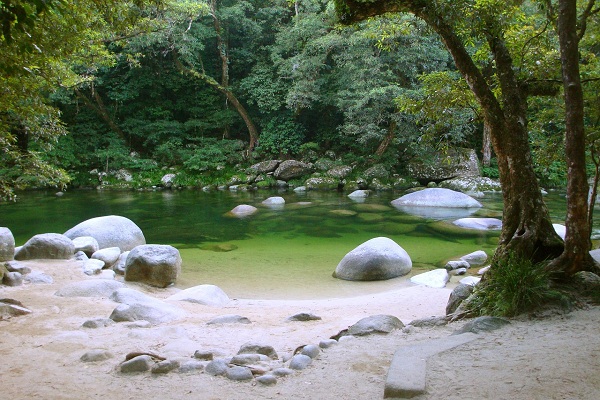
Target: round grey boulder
x: 154, y: 264
x: 376, y: 259
x: 436, y: 197
x: 291, y: 169
x: 300, y: 361
x: 7, y: 245
x: 381, y: 324
x: 110, y: 231
x: 47, y: 246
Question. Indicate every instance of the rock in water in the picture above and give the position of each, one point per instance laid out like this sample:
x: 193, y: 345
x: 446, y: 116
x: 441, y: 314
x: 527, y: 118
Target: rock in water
x: 376, y: 259
x: 437, y: 197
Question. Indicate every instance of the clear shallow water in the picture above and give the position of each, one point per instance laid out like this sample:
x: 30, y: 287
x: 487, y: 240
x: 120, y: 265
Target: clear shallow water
x: 289, y: 252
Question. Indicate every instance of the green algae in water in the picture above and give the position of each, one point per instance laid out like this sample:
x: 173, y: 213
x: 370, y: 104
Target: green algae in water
x: 287, y: 253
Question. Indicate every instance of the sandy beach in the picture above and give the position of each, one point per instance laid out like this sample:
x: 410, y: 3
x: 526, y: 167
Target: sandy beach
x: 555, y: 357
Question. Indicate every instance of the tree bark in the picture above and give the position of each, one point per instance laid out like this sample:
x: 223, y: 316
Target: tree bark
x: 575, y: 256
x: 486, y: 147
x: 526, y: 228
x: 387, y: 140
x: 241, y: 110
x: 98, y: 106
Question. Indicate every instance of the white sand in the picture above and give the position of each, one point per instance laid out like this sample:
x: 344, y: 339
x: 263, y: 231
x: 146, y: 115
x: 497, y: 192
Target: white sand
x: 555, y: 358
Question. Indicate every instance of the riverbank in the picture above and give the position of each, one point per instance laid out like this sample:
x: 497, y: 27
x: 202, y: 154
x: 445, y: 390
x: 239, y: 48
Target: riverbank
x: 41, y: 351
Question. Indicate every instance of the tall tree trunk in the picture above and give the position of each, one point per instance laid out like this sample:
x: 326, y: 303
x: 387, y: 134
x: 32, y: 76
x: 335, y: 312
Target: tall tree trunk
x: 241, y: 110
x: 222, y: 50
x: 387, y: 140
x: 526, y: 228
x: 486, y: 147
x: 576, y: 256
x: 98, y: 106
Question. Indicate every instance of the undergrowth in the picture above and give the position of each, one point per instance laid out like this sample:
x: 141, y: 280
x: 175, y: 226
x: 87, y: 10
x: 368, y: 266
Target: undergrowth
x: 513, y: 286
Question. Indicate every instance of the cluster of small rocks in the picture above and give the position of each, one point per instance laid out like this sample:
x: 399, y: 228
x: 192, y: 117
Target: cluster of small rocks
x: 107, y: 246
x: 253, y: 362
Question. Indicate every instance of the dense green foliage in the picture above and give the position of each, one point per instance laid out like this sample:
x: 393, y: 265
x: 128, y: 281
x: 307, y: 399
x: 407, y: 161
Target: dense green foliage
x: 182, y: 83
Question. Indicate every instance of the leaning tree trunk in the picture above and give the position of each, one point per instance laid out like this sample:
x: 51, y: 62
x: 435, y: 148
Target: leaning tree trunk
x: 576, y: 256
x: 526, y: 229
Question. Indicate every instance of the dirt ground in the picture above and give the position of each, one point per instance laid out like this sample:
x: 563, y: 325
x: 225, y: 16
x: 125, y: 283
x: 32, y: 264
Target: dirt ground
x: 556, y: 357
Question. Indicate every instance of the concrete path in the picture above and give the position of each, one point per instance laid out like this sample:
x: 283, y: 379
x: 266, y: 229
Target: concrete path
x: 407, y: 373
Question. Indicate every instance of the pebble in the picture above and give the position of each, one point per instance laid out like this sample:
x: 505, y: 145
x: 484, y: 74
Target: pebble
x: 165, y: 366
x: 98, y: 323
x: 327, y: 343
x: 216, y: 367
x: 300, y: 361
x: 238, y: 373
x: 267, y: 380
x: 96, y: 355
x: 192, y: 366
x: 137, y: 364
x: 310, y: 350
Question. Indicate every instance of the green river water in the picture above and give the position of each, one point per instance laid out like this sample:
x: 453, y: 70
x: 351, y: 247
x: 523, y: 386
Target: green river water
x: 289, y: 252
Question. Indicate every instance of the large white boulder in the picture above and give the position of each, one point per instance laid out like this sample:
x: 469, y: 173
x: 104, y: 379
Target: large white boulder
x: 376, y: 259
x: 437, y: 197
x: 110, y: 231
x: 7, y: 245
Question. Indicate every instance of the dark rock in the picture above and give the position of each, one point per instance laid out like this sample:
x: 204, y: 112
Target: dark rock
x: 12, y: 279
x: 204, y: 355
x: 141, y: 363
x: 291, y: 169
x: 442, y: 166
x: 164, y: 366
x: 460, y: 293
x: 254, y: 348
x: 303, y: 317
x: 376, y: 324
x: 156, y: 265
x: 483, y: 324
x: 429, y: 322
